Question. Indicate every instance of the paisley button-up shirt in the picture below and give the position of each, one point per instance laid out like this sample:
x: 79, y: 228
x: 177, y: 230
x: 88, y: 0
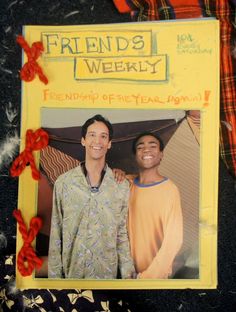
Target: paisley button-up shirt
x: 88, y: 236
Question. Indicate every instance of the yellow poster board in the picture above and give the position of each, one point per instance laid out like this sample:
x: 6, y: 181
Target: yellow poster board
x: 152, y: 70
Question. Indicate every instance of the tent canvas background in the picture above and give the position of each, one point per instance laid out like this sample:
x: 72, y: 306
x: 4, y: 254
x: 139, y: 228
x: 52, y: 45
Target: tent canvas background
x: 180, y: 163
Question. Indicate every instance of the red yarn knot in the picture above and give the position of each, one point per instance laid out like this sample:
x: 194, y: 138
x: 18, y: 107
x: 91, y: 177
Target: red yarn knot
x: 31, y: 68
x: 27, y: 260
x: 34, y: 141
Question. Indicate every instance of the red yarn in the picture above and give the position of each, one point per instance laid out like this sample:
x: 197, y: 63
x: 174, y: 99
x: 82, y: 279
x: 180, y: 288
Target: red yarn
x: 34, y: 141
x: 27, y: 253
x: 31, y: 68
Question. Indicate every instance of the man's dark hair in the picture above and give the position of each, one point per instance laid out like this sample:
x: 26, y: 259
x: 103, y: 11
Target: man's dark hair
x: 161, y: 144
x: 93, y: 119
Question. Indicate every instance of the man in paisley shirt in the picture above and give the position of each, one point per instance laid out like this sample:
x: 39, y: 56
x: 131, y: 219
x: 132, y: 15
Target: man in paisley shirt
x: 88, y: 236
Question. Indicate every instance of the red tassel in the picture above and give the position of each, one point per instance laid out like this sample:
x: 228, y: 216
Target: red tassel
x: 31, y: 68
x: 34, y: 141
x: 27, y: 253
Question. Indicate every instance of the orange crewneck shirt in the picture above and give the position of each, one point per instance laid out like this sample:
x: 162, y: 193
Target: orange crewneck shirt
x: 155, y: 227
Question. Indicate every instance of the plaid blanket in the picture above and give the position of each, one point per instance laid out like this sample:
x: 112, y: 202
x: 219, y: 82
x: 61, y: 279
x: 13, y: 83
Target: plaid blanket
x: 224, y: 11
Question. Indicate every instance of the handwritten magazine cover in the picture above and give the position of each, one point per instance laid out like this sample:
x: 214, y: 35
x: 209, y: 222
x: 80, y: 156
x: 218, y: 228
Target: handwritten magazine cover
x: 157, y: 86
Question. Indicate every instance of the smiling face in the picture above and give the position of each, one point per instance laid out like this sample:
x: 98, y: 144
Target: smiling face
x: 96, y: 141
x: 148, y: 154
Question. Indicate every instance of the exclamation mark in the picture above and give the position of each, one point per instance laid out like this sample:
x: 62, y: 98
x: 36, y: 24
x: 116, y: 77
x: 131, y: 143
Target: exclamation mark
x: 206, y: 97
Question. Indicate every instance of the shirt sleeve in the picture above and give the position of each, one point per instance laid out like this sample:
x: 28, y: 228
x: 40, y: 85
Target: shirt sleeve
x: 161, y: 266
x: 125, y: 261
x: 55, y: 243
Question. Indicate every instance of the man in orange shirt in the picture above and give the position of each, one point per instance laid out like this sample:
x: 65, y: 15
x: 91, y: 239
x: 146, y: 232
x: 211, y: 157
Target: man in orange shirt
x: 155, y: 214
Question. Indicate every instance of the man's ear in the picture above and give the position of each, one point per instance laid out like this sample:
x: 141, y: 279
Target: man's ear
x: 161, y: 155
x: 82, y: 142
x: 109, y: 145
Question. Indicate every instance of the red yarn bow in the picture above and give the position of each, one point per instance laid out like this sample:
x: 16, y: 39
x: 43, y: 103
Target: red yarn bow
x: 31, y: 68
x: 27, y: 253
x: 34, y: 141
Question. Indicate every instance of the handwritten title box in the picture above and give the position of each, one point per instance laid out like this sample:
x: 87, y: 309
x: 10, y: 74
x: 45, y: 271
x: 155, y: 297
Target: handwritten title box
x: 97, y: 43
x: 132, y: 68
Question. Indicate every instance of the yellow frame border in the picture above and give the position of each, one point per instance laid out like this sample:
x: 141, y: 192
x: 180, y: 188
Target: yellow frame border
x: 32, y: 101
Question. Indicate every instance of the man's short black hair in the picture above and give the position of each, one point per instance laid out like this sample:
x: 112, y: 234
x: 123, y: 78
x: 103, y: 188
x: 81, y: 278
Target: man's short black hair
x: 161, y: 144
x: 93, y: 119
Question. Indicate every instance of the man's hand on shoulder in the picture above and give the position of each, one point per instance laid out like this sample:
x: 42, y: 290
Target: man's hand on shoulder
x: 119, y: 175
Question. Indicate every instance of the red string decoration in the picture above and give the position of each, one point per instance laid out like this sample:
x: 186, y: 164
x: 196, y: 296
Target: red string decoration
x: 27, y: 260
x: 34, y: 141
x: 31, y: 68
